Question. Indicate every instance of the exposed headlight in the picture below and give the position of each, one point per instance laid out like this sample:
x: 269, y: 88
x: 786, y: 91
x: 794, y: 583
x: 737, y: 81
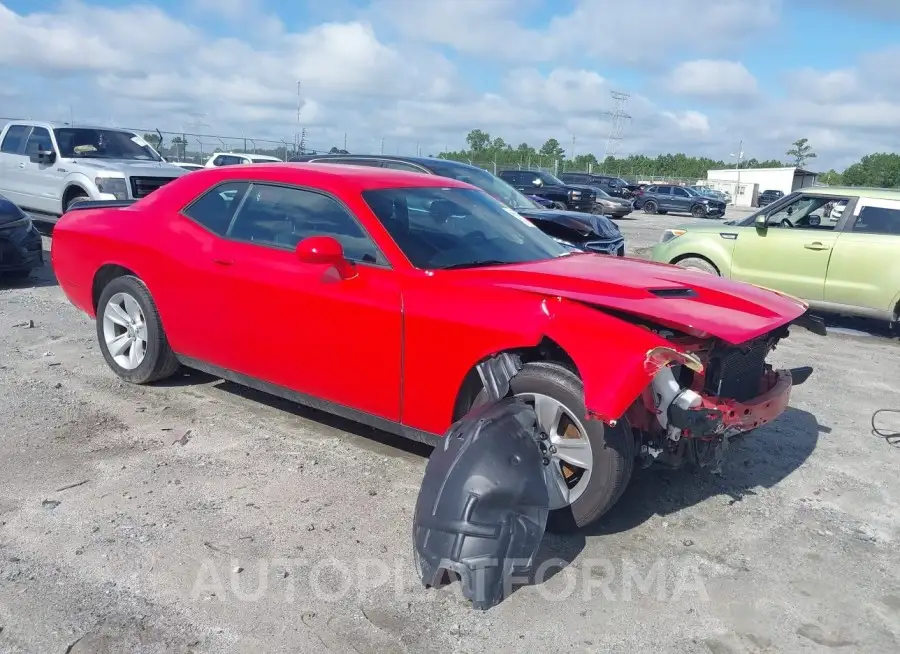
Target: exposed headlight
x: 576, y: 194
x: 112, y: 185
x: 669, y: 234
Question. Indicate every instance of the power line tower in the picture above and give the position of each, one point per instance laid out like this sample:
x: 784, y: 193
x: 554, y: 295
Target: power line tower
x: 620, y: 118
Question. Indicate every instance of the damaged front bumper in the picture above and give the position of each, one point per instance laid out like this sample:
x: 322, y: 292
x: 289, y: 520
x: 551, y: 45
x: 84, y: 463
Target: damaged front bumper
x: 716, y: 416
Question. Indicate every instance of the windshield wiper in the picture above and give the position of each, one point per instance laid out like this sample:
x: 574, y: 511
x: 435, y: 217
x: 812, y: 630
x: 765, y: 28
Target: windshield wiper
x: 476, y: 264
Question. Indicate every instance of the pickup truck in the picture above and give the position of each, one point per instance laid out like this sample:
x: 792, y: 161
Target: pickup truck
x: 564, y: 196
x: 45, y: 167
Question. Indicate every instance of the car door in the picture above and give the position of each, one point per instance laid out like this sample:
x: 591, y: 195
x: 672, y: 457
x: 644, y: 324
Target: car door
x: 663, y: 197
x: 864, y: 270
x: 43, y: 181
x: 299, y: 325
x: 13, y: 181
x: 681, y: 200
x: 791, y: 253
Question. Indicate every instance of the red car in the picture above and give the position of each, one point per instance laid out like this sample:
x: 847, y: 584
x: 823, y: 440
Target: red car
x: 392, y: 297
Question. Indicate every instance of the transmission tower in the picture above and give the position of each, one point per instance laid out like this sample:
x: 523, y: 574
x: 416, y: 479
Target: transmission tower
x: 620, y: 119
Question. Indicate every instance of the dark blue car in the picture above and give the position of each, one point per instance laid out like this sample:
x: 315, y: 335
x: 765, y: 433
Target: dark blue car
x: 20, y: 243
x: 576, y: 230
x: 668, y: 198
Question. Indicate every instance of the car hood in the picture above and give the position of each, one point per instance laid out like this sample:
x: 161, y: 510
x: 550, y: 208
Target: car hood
x: 687, y: 300
x: 131, y: 167
x: 580, y: 222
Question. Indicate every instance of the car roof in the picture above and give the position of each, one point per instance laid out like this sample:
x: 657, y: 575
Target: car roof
x: 425, y: 162
x: 868, y: 192
x: 361, y: 178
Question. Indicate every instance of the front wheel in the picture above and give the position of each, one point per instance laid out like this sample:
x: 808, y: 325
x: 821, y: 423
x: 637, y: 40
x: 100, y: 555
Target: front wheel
x: 698, y: 211
x: 696, y: 263
x: 559, y: 205
x: 131, y: 334
x: 589, y: 462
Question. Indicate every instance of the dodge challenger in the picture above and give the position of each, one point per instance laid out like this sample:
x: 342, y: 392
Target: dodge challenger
x: 397, y: 298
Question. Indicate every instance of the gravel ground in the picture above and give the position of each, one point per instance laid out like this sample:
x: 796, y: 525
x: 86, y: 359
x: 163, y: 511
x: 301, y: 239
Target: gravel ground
x: 196, y: 516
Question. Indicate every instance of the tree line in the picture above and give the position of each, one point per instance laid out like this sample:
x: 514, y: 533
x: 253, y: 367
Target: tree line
x: 881, y: 170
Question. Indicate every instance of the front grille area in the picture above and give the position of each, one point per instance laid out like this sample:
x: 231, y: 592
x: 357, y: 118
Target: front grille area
x: 736, y: 372
x: 606, y: 247
x: 143, y: 186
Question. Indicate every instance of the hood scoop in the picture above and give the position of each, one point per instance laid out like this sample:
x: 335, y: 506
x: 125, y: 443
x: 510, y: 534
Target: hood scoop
x: 673, y: 292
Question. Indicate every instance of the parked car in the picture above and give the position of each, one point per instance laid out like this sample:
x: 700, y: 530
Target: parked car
x: 614, y: 186
x: 665, y: 198
x: 564, y: 196
x: 768, y: 197
x: 399, y: 295
x: 576, y: 230
x: 45, y: 167
x: 848, y: 266
x: 21, y: 250
x: 238, y: 159
x: 724, y: 196
x: 607, y: 205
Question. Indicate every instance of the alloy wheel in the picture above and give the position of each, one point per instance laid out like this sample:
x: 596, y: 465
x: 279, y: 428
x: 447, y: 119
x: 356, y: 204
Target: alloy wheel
x: 125, y: 331
x: 567, y: 450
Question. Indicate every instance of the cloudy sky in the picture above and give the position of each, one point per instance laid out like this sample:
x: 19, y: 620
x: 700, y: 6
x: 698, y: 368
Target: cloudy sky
x: 419, y: 74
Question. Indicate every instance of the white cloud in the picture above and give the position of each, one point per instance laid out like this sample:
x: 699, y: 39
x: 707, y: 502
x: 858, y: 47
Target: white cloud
x: 712, y: 79
x: 380, y: 73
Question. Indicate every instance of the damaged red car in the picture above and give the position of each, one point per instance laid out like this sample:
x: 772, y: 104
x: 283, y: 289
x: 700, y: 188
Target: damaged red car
x: 399, y: 300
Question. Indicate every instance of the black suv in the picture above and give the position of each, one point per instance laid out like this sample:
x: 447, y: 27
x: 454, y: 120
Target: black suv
x: 768, y: 197
x: 665, y: 198
x: 545, y: 185
x: 614, y: 186
x: 579, y: 231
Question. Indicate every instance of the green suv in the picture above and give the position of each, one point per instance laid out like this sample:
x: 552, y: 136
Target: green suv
x: 836, y: 248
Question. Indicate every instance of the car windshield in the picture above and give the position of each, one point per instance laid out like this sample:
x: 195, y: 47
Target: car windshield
x: 691, y: 191
x: 102, y: 144
x: 485, y: 181
x: 458, y: 228
x: 600, y: 192
x: 550, y: 179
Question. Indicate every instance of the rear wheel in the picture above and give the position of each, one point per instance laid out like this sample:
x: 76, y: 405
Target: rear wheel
x: 559, y: 205
x: 131, y: 334
x: 589, y: 462
x: 650, y: 206
x: 696, y: 263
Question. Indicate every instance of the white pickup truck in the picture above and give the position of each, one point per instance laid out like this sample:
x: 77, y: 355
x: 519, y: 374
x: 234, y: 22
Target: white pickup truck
x: 45, y: 167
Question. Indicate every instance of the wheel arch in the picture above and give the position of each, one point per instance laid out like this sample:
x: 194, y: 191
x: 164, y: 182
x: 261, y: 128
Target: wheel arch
x: 73, y: 189
x: 545, y: 350
x: 682, y: 257
x: 104, y: 275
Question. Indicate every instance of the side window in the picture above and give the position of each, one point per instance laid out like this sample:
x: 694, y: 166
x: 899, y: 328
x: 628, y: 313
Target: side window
x: 401, y: 165
x: 804, y: 212
x: 664, y: 190
x: 651, y: 189
x: 38, y: 141
x: 215, y: 208
x: 15, y: 136
x: 879, y: 220
x: 510, y: 176
x: 227, y: 160
x: 282, y: 216
x: 680, y: 192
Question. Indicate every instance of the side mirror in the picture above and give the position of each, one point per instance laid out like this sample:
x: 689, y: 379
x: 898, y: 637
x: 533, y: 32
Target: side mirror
x: 325, y: 250
x: 814, y: 220
x: 43, y: 157
x: 537, y: 182
x: 761, y: 221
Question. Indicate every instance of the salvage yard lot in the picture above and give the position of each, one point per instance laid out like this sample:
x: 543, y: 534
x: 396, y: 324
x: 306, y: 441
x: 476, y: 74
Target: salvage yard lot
x: 215, y: 519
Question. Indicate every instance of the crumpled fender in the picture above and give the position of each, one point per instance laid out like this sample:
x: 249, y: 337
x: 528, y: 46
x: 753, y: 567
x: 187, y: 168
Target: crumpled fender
x: 615, y: 359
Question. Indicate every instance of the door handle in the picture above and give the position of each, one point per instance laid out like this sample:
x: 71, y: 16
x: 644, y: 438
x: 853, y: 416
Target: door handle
x: 224, y: 262
x: 816, y: 245
x: 21, y: 165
